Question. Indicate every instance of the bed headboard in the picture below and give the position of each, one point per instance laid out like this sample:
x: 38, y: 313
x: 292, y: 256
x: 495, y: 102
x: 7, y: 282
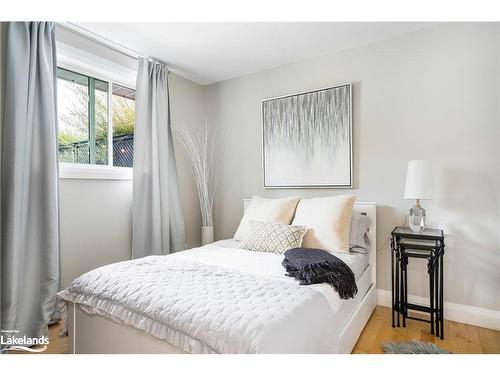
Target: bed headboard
x: 365, y: 208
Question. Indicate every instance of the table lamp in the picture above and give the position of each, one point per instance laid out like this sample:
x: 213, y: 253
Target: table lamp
x: 418, y: 186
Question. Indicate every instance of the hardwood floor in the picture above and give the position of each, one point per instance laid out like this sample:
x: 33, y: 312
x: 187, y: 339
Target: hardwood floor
x: 459, y: 338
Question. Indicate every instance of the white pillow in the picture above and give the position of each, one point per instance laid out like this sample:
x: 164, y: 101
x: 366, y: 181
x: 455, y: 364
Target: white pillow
x: 273, y: 238
x: 358, y: 233
x: 328, y: 221
x: 278, y: 211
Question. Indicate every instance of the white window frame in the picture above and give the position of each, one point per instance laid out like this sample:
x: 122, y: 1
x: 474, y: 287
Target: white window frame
x: 94, y: 171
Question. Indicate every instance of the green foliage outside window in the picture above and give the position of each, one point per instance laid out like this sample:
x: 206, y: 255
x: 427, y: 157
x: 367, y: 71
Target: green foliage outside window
x: 123, y: 117
x: 83, y: 120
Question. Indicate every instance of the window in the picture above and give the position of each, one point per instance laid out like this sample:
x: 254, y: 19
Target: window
x: 84, y: 115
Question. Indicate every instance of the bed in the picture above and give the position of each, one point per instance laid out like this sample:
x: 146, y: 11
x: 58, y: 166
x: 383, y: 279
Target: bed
x: 220, y: 299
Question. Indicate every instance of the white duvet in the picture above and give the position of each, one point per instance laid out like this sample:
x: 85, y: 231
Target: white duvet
x: 215, y: 299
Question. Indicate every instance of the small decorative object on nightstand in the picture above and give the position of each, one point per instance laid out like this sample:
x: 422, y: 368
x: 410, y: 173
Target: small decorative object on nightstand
x: 418, y: 186
x: 427, y: 244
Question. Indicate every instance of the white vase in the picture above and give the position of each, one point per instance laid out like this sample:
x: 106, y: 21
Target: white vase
x: 207, y: 235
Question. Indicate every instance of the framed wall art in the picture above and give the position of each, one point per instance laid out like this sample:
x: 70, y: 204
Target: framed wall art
x: 307, y: 139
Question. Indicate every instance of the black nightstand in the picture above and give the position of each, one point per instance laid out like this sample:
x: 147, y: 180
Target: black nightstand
x: 428, y: 244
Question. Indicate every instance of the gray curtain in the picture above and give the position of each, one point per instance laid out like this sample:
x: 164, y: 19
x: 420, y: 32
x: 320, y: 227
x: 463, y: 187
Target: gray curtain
x: 158, y: 223
x: 29, y: 252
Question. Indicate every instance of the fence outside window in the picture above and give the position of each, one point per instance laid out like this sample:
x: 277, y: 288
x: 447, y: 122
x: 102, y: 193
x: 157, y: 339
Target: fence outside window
x: 79, y: 152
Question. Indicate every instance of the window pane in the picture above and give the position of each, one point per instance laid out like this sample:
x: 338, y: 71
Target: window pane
x: 123, y: 126
x: 101, y: 122
x: 83, y: 114
x: 72, y: 102
x: 83, y: 118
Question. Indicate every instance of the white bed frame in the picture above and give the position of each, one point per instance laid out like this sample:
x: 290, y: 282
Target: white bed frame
x: 95, y: 334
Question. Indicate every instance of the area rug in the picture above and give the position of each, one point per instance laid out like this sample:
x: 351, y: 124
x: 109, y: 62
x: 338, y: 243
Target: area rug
x: 412, y: 347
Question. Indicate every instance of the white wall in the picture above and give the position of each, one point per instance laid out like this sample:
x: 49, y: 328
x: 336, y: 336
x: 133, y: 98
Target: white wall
x: 431, y: 94
x: 96, y: 222
x: 95, y: 225
x: 187, y: 109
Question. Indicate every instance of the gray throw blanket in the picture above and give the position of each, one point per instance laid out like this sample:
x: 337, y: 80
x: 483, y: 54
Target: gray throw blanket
x: 315, y: 266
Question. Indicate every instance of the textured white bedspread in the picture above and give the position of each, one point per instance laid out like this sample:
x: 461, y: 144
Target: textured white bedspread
x: 213, y: 299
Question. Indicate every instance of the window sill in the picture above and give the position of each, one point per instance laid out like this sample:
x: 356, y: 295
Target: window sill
x: 93, y: 172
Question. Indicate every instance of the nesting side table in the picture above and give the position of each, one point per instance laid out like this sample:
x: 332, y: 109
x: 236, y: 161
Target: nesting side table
x: 428, y: 244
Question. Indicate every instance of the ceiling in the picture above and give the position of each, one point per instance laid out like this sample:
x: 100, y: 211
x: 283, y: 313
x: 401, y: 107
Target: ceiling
x: 213, y: 52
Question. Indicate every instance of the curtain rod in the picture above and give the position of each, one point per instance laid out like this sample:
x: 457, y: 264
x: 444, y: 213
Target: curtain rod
x: 105, y: 42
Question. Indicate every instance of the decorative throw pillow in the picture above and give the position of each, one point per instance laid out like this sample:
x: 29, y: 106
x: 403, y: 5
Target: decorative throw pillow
x: 358, y: 234
x: 279, y: 211
x: 328, y: 220
x: 273, y: 238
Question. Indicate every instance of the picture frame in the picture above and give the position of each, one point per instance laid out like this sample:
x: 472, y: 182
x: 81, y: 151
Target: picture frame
x: 307, y: 139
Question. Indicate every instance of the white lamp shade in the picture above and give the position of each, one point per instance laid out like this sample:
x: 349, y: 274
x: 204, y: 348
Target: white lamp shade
x: 419, y: 180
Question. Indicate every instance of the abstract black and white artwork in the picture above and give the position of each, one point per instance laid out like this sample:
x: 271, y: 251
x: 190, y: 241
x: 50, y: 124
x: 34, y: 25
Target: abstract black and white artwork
x: 307, y: 139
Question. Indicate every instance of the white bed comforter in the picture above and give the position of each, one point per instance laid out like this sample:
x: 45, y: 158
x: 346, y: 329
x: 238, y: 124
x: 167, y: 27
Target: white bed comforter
x: 190, y: 301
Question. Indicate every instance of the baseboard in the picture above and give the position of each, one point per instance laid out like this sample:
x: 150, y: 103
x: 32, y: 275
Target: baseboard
x: 476, y: 316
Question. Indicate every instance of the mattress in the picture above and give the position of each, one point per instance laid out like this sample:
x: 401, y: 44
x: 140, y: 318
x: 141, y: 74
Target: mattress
x: 221, y: 299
